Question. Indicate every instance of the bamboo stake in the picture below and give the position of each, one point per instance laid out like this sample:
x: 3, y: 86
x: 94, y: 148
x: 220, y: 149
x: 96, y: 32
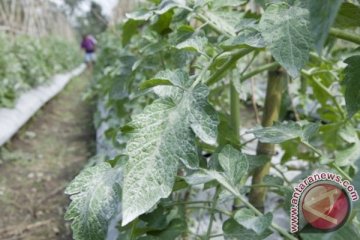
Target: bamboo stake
x: 271, y: 113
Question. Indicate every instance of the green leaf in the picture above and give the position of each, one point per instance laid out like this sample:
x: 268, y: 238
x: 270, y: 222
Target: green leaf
x: 274, y: 180
x: 234, y: 163
x: 154, y: 82
x: 309, y: 130
x: 196, y: 44
x: 281, y: 132
x: 347, y: 132
x: 222, y: 21
x: 175, y: 228
x: 164, y: 223
x: 248, y: 20
x: 322, y: 16
x: 348, y: 16
x: 163, y: 135
x: 356, y: 183
x: 247, y: 218
x: 130, y: 28
x: 95, y: 195
x: 223, y: 180
x: 227, y: 133
x: 140, y: 15
x: 163, y: 22
x: 233, y: 230
x: 198, y: 177
x: 246, y: 37
x: 351, y: 153
x: 256, y: 161
x: 181, y: 33
x: 286, y: 33
x: 166, y: 5
x: 352, y: 83
x: 344, y: 233
x: 216, y: 4
x: 161, y: 223
x: 177, y: 78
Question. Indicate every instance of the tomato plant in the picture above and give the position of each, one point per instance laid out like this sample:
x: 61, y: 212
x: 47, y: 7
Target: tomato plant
x: 171, y: 83
x: 26, y: 62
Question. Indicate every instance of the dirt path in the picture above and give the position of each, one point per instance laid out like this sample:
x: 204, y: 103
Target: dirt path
x: 39, y: 162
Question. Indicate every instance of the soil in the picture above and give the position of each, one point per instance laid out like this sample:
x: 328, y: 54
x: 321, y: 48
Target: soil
x: 39, y: 162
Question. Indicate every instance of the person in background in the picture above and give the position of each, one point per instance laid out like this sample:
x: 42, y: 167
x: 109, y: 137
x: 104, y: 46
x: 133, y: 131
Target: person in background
x: 88, y: 44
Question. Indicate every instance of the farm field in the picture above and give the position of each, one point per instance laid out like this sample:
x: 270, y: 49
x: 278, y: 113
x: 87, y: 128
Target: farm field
x: 38, y: 164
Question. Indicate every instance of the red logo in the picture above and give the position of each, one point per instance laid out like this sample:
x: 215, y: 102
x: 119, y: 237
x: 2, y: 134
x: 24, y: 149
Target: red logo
x: 326, y: 206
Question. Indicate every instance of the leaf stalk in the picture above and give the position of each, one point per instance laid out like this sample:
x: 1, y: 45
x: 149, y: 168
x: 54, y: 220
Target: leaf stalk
x: 212, y: 212
x: 341, y: 34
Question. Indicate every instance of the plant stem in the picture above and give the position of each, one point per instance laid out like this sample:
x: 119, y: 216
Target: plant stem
x: 133, y: 229
x: 235, y: 114
x: 217, y: 235
x: 217, y: 29
x: 249, y: 63
x: 331, y: 96
x: 246, y: 142
x: 226, y: 66
x: 281, y: 173
x: 270, y: 114
x: 269, y: 66
x: 273, y: 227
x: 338, y: 33
x: 341, y: 171
x: 263, y: 68
x: 187, y: 203
x: 194, y: 234
x: 312, y: 148
x: 229, y: 214
x: 212, y: 212
x: 235, y: 109
x: 264, y: 186
x: 202, y: 16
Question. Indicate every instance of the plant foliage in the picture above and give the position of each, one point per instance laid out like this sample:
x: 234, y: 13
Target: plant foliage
x: 168, y: 81
x: 27, y: 62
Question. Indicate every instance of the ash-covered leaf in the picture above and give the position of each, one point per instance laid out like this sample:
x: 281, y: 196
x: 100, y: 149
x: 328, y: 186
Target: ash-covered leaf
x: 256, y: 161
x: 140, y: 15
x: 177, y: 78
x: 247, y: 219
x: 223, y: 20
x: 196, y: 44
x: 351, y: 153
x: 273, y: 180
x: 286, y: 33
x: 166, y: 5
x: 162, y: 136
x: 199, y: 177
x: 281, y: 132
x: 95, y: 195
x: 246, y: 37
x: 216, y: 4
x: 223, y: 180
x: 234, y: 163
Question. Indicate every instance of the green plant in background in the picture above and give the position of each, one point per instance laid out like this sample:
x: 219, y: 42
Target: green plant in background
x: 27, y: 62
x: 170, y: 79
